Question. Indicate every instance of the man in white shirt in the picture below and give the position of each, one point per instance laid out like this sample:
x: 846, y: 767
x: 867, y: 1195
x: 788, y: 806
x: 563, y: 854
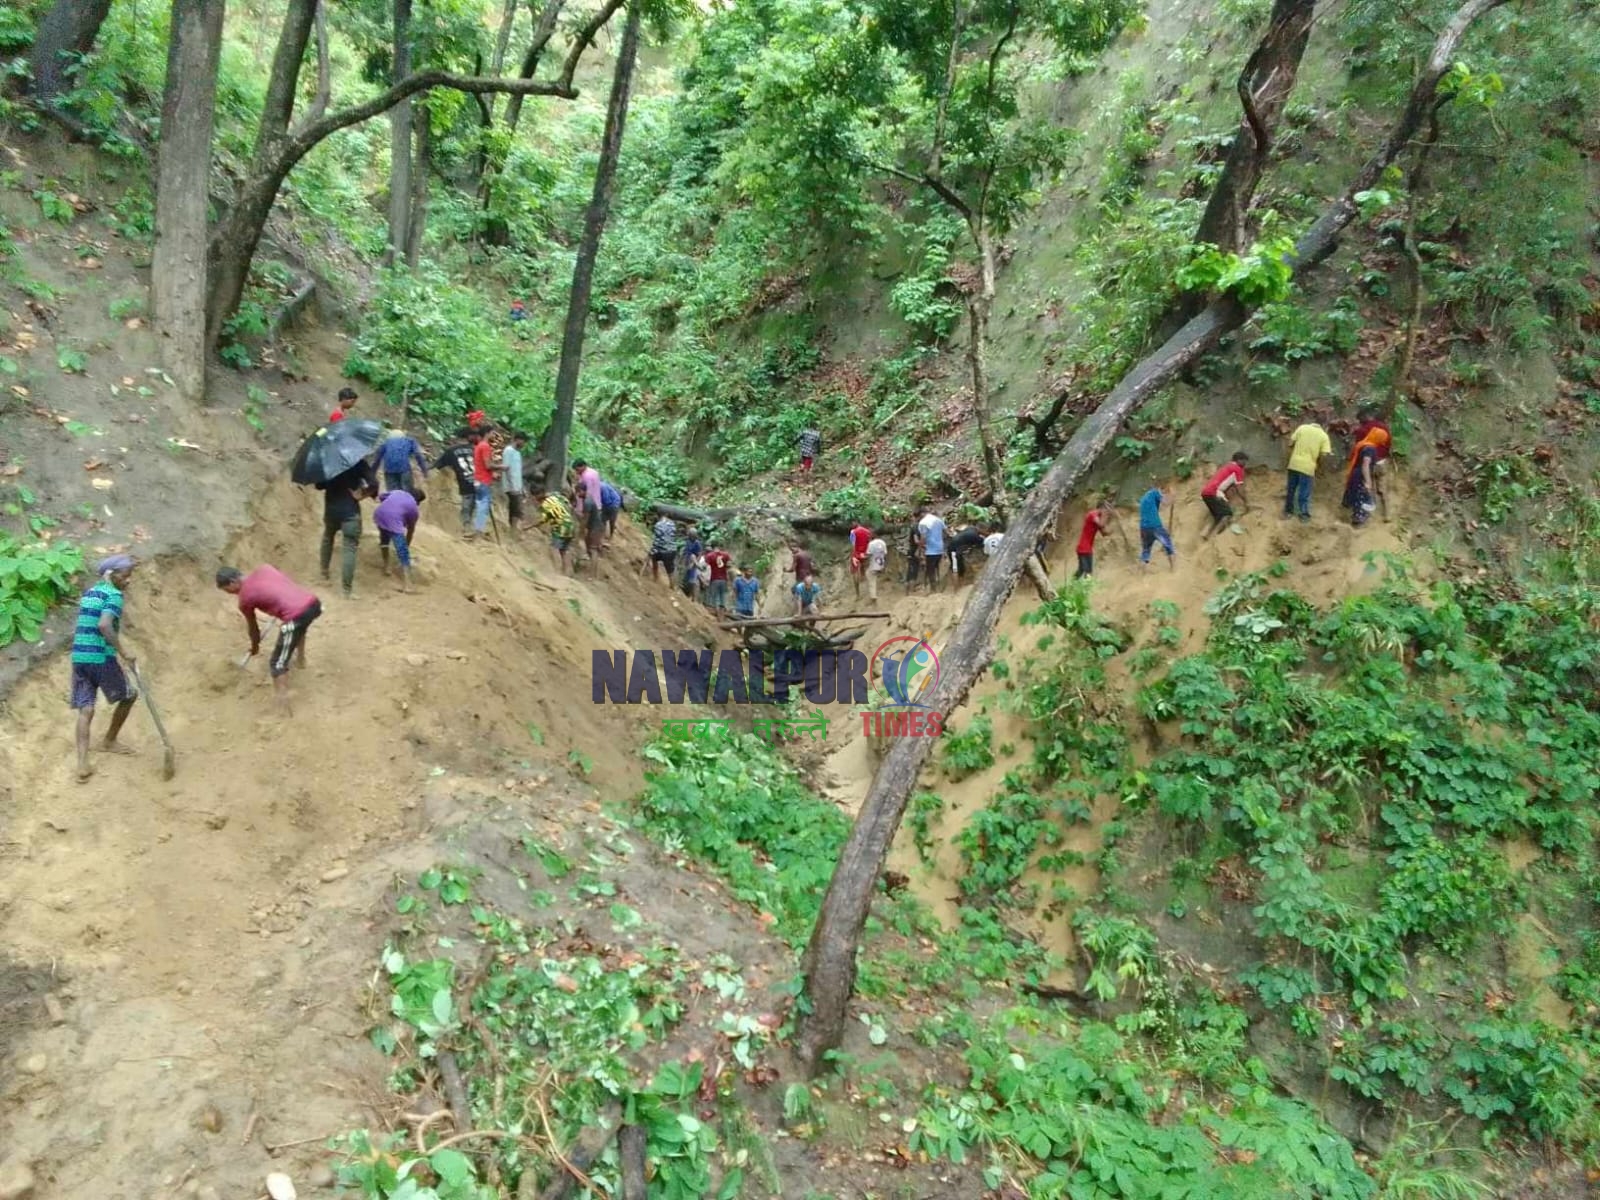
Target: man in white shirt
x: 511, y: 464
x: 930, y: 530
x: 877, y: 559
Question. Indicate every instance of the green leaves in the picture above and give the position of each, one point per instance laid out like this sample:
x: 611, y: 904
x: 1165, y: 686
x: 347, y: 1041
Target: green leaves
x: 33, y: 577
x: 1259, y: 277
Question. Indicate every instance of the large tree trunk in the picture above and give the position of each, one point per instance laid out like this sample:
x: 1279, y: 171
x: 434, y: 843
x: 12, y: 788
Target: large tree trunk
x: 830, y: 958
x: 178, y: 273
x: 66, y: 33
x: 277, y: 149
x: 554, y: 446
x: 419, y: 186
x: 400, y: 140
x: 543, y: 30
x: 979, y: 306
x: 1264, y: 86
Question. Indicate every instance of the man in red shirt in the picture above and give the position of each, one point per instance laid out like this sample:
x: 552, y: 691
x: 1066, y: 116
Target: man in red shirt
x: 269, y: 590
x: 860, y: 537
x: 1095, y: 522
x: 482, y: 481
x: 718, y: 560
x: 802, y: 565
x: 1215, y: 493
x: 347, y: 401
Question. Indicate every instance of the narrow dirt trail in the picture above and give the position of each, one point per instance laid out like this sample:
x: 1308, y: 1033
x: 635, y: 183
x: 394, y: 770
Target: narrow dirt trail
x: 1326, y: 560
x: 201, y: 941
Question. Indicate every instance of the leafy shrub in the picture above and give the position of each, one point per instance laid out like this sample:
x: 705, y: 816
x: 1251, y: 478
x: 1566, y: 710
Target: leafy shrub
x: 970, y: 750
x: 33, y: 577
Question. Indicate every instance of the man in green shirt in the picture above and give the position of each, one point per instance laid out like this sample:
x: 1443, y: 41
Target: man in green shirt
x: 96, y: 647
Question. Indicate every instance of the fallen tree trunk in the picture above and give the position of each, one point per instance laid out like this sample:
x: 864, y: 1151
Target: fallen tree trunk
x: 830, y: 959
x: 817, y: 522
x: 631, y: 1153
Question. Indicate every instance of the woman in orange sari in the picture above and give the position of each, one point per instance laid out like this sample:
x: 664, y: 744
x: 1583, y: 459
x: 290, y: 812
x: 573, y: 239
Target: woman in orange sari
x: 1358, y: 486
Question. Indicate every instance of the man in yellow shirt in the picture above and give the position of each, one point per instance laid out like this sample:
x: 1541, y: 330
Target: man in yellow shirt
x: 1308, y: 445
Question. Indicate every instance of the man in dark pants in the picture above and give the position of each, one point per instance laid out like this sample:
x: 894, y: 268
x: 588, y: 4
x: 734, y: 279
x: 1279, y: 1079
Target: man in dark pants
x: 457, y: 457
x: 96, y: 646
x: 269, y: 590
x: 341, y: 514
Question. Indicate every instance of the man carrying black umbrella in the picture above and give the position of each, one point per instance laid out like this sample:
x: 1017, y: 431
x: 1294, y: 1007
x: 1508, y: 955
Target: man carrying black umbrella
x: 341, y: 514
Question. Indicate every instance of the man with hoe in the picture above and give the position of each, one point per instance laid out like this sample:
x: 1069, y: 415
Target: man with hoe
x: 269, y: 590
x: 96, y: 647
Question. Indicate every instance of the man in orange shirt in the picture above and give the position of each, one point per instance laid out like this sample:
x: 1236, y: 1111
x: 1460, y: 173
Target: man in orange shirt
x: 1215, y: 493
x: 482, y: 481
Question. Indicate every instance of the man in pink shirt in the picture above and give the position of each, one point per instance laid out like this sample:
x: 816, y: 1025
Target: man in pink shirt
x: 588, y: 490
x: 269, y: 590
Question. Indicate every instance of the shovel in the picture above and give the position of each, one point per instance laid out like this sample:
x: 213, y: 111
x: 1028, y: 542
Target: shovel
x: 245, y: 660
x: 169, y: 758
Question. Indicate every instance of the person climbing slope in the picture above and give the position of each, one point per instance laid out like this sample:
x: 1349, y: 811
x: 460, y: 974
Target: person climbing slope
x: 96, y: 648
x: 457, y: 457
x: 877, y: 560
x: 610, y: 508
x: 347, y: 401
x: 1095, y: 522
x: 482, y: 481
x: 745, y: 589
x: 396, y: 521
x: 395, y: 456
x: 1360, y: 486
x: 1215, y: 493
x: 1151, y: 530
x: 717, y: 562
x: 860, y: 539
x: 1308, y: 445
x: 810, y: 445
x: 511, y: 471
x: 964, y: 546
x: 663, y: 548
x: 807, y: 596
x: 556, y: 519
x: 693, y: 548
x: 341, y: 516
x: 269, y: 590
x: 586, y: 484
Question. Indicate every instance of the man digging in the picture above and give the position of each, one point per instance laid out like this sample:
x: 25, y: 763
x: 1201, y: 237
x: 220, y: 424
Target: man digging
x: 96, y: 647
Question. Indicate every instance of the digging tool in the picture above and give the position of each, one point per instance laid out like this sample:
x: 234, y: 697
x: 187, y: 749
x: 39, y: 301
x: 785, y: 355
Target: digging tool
x: 169, y: 757
x: 245, y: 661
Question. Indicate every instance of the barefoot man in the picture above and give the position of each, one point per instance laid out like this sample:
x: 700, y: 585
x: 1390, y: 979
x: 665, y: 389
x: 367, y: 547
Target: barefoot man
x: 96, y: 646
x: 269, y: 590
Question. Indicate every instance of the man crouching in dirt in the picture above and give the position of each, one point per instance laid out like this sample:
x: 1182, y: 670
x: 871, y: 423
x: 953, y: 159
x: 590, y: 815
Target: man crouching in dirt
x: 96, y: 646
x: 269, y: 590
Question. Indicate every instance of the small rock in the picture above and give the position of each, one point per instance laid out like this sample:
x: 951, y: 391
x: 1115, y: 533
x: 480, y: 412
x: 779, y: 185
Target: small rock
x: 35, y: 1064
x: 457, y: 655
x: 333, y: 874
x: 416, y: 660
x: 216, y: 821
x: 210, y: 1119
x: 321, y: 1176
x: 16, y: 1180
x: 53, y: 1010
x: 281, y: 1187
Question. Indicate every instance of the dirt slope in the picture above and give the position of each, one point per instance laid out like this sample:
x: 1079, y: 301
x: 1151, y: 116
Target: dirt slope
x: 1327, y: 559
x: 203, y: 942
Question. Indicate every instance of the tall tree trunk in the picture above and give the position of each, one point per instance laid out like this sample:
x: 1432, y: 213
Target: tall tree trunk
x: 979, y: 306
x: 278, y: 148
x: 543, y: 30
x: 830, y: 958
x: 419, y: 186
x: 554, y: 445
x: 1408, y: 344
x: 400, y: 140
x: 502, y: 43
x: 66, y: 33
x: 1264, y: 86
x: 178, y: 272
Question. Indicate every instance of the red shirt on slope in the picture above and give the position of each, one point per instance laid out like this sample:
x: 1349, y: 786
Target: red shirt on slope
x: 269, y: 590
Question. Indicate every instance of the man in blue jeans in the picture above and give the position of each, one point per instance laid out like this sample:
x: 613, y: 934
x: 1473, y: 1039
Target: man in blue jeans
x: 482, y: 481
x: 1151, y: 530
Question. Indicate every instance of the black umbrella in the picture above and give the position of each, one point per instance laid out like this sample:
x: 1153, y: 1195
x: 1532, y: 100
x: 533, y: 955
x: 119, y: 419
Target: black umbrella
x: 334, y: 449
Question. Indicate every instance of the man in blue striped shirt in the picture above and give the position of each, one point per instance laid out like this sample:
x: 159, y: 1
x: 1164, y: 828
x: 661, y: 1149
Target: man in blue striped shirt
x: 96, y: 646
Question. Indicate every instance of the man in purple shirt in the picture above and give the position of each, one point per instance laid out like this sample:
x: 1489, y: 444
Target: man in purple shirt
x: 588, y: 488
x: 396, y: 519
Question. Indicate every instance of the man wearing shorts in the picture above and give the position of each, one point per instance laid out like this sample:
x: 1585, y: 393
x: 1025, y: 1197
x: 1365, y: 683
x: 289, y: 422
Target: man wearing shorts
x: 1215, y: 493
x: 663, y: 548
x: 588, y: 489
x: 269, y: 590
x: 810, y: 445
x: 511, y: 469
x: 96, y: 646
x: 396, y: 519
x: 610, y: 508
x: 556, y: 519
